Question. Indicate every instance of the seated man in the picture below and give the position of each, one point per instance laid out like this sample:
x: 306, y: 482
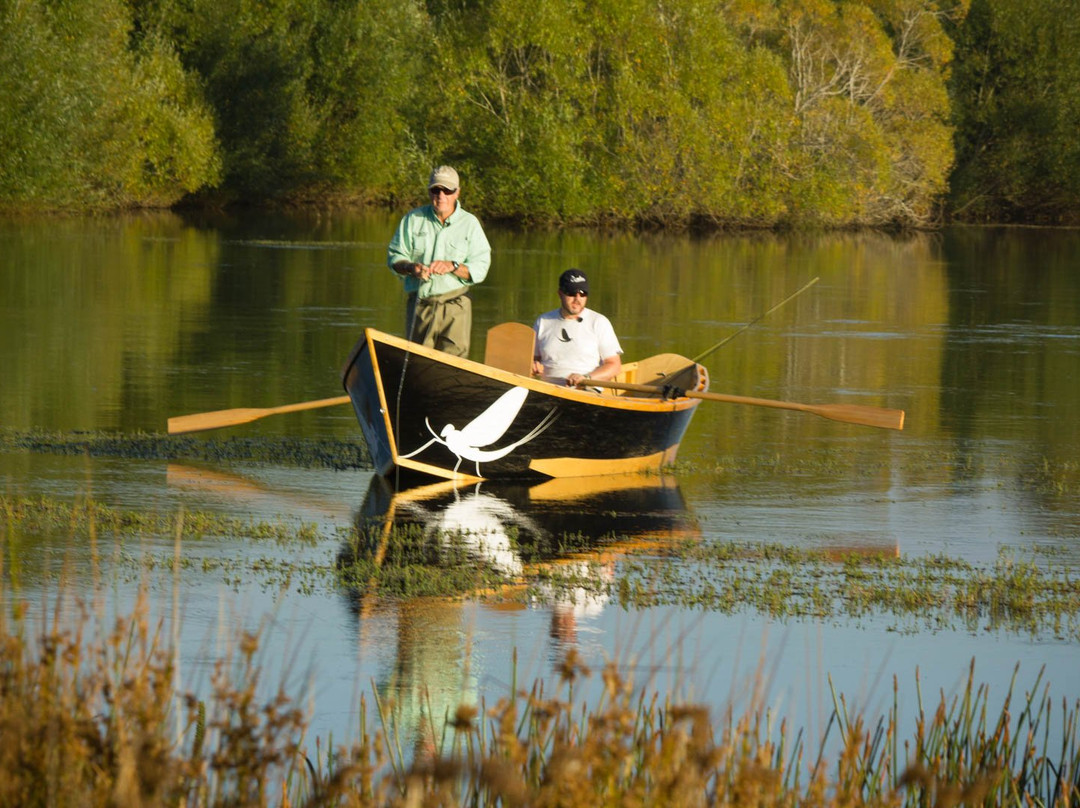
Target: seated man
x: 573, y: 342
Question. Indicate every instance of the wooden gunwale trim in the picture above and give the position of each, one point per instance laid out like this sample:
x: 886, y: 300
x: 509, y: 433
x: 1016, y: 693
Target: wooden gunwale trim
x: 391, y: 435
x: 459, y: 477
x: 636, y: 403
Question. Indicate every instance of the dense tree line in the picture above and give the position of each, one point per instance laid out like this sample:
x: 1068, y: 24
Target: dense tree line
x: 758, y: 113
x: 1016, y: 97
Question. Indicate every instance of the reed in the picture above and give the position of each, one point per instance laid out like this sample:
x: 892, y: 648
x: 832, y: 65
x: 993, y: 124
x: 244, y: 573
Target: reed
x: 92, y: 714
x: 96, y: 719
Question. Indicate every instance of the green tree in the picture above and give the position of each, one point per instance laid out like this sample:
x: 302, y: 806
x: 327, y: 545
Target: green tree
x: 1016, y: 91
x: 698, y: 121
x: 307, y: 93
x: 611, y: 110
x: 89, y: 119
x: 868, y: 85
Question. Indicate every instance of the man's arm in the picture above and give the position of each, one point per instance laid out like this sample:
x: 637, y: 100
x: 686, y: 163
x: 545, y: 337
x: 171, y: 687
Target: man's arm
x: 450, y: 268
x: 399, y: 253
x: 478, y: 260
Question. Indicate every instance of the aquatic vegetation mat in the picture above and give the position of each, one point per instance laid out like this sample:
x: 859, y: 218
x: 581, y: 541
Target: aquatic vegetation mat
x: 1034, y: 592
x: 1044, y: 476
x: 46, y: 514
x: 302, y: 452
x: 1020, y: 591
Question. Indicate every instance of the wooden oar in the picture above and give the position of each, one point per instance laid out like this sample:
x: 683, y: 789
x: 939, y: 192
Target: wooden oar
x: 221, y: 418
x: 848, y: 413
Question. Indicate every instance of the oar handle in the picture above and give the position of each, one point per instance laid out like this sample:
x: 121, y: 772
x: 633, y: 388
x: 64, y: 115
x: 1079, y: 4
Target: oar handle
x: 308, y: 405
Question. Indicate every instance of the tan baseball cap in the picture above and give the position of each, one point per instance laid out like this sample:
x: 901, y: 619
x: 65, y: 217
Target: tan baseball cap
x: 444, y: 177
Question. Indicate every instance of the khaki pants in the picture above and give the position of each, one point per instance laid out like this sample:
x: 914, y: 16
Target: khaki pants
x: 443, y: 323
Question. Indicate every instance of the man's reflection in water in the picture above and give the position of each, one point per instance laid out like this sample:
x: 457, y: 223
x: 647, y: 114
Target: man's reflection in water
x: 568, y: 607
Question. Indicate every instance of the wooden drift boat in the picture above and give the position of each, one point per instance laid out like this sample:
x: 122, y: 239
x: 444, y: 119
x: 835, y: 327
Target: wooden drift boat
x: 436, y: 415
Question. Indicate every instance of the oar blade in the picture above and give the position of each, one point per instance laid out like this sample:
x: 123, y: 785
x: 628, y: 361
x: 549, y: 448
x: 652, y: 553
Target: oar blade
x: 202, y: 421
x: 879, y: 417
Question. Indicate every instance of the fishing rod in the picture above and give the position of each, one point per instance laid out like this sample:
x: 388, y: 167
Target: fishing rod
x: 756, y: 320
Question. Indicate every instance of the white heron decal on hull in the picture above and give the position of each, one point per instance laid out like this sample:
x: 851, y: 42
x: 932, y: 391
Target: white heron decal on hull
x: 485, y: 429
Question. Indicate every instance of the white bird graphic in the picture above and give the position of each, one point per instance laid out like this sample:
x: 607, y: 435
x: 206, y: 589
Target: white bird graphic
x: 484, y: 430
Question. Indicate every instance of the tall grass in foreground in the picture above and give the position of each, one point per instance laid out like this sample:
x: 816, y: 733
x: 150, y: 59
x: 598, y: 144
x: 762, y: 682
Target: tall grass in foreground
x: 96, y: 721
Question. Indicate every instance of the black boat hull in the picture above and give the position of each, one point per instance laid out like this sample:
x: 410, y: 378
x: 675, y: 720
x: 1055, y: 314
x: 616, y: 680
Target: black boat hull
x: 427, y: 412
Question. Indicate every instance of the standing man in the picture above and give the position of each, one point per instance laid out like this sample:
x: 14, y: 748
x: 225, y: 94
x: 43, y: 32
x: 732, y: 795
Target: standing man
x: 441, y: 251
x: 574, y: 342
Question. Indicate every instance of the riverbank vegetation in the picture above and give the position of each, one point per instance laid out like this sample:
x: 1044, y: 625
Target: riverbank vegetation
x: 766, y: 113
x: 95, y: 716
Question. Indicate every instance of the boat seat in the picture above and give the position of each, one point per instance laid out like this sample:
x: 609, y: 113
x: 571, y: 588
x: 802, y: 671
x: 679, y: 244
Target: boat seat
x: 510, y: 347
x: 662, y: 369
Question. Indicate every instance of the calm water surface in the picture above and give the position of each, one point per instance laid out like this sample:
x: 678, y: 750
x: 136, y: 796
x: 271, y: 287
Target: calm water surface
x: 117, y: 324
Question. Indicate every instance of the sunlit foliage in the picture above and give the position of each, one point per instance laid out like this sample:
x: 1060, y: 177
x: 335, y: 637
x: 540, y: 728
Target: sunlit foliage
x: 757, y: 113
x: 90, y: 116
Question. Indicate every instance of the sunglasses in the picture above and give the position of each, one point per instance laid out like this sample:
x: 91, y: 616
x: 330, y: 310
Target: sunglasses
x: 579, y: 293
x: 443, y: 191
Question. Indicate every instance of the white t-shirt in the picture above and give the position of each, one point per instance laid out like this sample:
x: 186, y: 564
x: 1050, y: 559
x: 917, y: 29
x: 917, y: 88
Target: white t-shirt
x: 578, y: 345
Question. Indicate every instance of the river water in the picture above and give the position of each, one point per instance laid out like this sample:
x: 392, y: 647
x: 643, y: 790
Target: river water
x: 116, y: 324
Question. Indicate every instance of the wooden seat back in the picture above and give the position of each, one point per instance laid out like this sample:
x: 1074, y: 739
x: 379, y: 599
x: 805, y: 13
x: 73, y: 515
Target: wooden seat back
x: 510, y: 347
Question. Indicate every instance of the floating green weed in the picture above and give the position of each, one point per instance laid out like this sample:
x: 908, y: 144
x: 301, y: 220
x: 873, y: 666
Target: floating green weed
x: 1011, y: 594
x: 410, y: 561
x: 41, y: 514
x: 1036, y: 595
x: 1052, y: 477
x: 302, y: 452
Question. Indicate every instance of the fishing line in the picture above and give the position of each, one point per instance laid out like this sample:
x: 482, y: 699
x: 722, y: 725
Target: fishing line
x: 411, y: 307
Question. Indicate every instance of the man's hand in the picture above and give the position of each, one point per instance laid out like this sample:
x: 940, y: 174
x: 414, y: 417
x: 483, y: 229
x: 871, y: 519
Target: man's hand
x: 450, y: 268
x: 574, y: 379
x: 413, y: 270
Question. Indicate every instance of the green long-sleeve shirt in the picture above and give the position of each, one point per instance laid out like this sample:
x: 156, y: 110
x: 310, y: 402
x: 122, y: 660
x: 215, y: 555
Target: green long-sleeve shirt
x: 421, y: 238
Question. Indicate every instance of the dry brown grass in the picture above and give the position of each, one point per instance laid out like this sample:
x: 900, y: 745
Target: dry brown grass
x: 91, y: 720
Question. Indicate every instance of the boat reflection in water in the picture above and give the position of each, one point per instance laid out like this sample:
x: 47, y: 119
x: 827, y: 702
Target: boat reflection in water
x: 580, y: 524
x: 507, y: 526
